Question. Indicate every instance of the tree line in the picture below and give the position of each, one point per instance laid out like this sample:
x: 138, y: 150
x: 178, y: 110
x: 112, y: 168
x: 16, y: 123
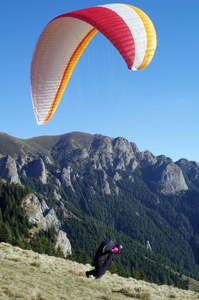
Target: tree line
x: 15, y: 226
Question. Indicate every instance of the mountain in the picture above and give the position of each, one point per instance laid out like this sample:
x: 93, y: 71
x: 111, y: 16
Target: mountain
x: 29, y: 275
x: 102, y: 186
x: 105, y: 152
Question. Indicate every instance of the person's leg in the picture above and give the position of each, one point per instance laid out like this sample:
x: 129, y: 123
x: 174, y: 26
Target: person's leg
x: 98, y: 276
x: 89, y: 273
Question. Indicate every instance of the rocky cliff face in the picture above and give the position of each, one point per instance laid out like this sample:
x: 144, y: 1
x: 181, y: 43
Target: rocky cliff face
x: 39, y: 213
x: 33, y: 167
x: 169, y: 175
x: 105, y: 153
x: 190, y: 169
x: 8, y: 169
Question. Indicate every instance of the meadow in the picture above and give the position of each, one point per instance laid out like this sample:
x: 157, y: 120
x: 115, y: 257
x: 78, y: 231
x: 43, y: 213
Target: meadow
x: 28, y: 275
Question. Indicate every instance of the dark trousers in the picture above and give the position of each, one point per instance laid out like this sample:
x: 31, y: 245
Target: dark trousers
x: 101, y: 265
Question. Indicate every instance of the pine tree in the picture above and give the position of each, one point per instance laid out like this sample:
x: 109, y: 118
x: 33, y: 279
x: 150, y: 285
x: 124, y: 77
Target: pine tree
x: 5, y: 233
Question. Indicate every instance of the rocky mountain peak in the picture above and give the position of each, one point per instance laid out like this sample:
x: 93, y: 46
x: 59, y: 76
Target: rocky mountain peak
x: 105, y: 153
x: 190, y: 169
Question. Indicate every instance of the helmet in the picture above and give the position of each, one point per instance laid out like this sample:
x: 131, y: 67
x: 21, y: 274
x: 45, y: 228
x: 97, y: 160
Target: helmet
x: 120, y: 247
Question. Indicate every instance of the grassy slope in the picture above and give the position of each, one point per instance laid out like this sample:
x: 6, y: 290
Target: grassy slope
x: 43, y: 144
x: 32, y: 276
x: 10, y: 145
x: 14, y: 147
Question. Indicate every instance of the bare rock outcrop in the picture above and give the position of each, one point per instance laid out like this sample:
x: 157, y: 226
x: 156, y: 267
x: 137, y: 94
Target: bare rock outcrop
x: 146, y: 158
x: 172, y: 179
x: 105, y: 184
x: 37, y: 169
x: 8, y: 169
x: 66, y: 176
x: 51, y: 219
x: 101, y: 151
x: 64, y: 243
x: 117, y: 177
x: 39, y: 213
x: 124, y: 152
x: 35, y: 210
x: 190, y: 169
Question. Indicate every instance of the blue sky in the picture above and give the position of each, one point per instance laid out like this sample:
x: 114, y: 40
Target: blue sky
x: 157, y: 108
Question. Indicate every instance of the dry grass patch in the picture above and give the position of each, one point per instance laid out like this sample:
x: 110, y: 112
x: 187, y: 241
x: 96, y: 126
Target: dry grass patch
x: 27, y: 275
x: 136, y: 294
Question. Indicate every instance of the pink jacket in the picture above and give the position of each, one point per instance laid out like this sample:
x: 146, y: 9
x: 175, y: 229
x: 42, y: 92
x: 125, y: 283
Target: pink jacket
x: 115, y: 250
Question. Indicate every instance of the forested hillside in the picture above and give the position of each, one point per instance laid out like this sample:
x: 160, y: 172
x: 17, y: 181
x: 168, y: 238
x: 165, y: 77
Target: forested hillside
x: 15, y: 229
x: 14, y: 224
x: 104, y: 187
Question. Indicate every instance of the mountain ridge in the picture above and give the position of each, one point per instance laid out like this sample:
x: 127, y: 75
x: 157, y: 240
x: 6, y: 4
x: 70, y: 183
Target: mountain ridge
x: 47, y: 142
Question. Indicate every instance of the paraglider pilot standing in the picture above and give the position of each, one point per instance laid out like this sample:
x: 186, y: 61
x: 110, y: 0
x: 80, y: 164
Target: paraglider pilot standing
x: 103, y: 257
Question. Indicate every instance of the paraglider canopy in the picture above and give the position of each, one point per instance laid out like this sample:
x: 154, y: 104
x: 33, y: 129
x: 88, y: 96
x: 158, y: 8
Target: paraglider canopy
x: 64, y: 39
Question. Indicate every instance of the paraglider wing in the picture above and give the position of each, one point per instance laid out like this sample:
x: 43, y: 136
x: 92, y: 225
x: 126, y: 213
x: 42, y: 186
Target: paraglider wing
x: 64, y: 39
